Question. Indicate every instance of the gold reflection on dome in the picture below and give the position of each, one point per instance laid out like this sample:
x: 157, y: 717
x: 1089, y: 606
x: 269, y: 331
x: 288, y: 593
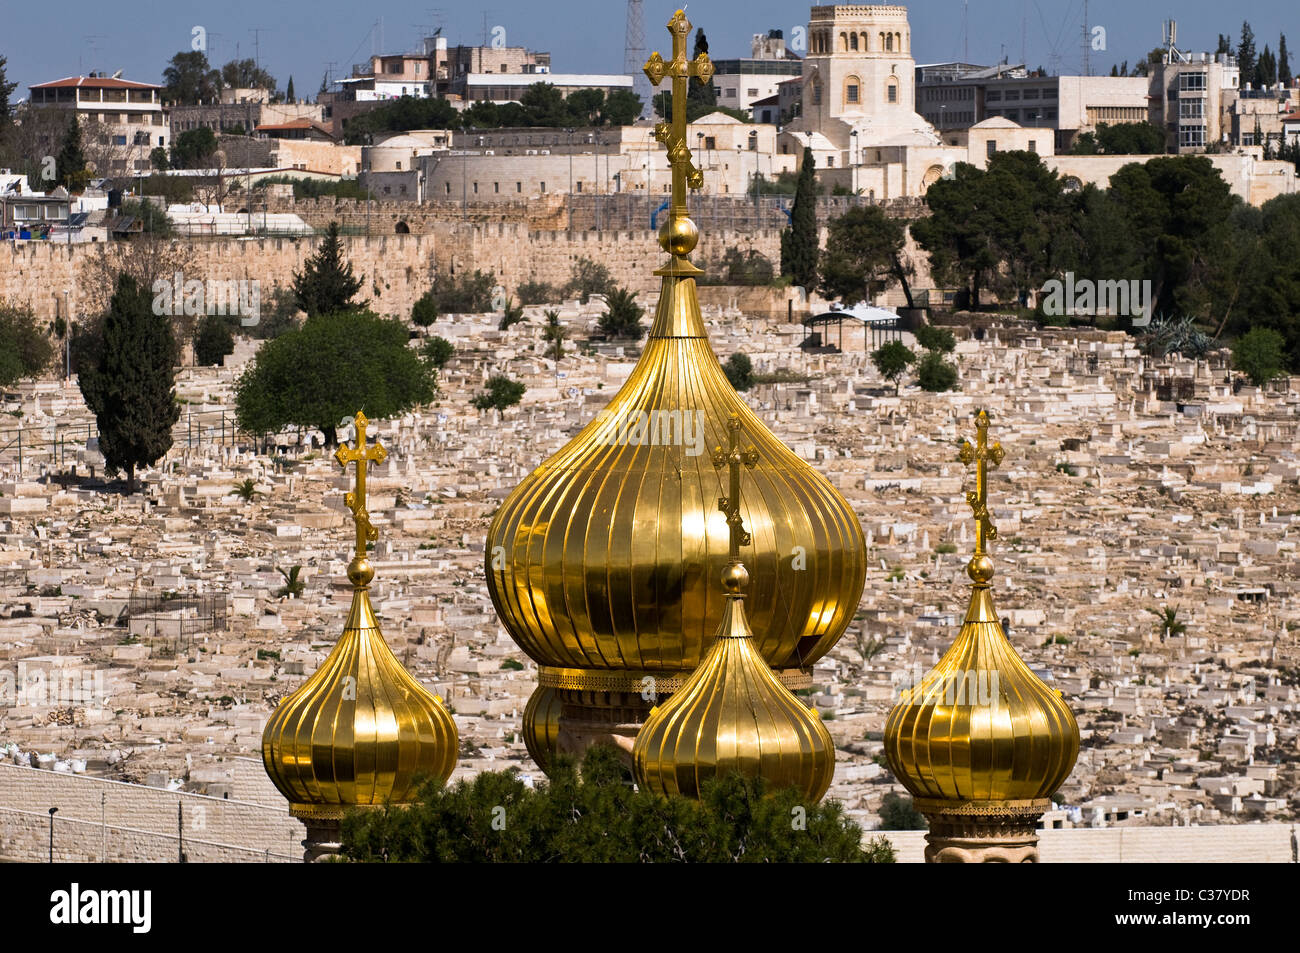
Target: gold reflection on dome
x: 603, y: 563
x: 361, y: 730
x: 733, y: 715
x: 981, y: 726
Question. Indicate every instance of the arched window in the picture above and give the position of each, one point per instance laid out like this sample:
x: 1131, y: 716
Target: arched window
x: 882, y: 41
x: 891, y: 90
x: 898, y: 42
x: 853, y: 42
x: 852, y: 91
x: 866, y: 47
x: 889, y: 42
x: 844, y: 42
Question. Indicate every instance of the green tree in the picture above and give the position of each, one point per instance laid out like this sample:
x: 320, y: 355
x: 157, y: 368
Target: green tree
x: 799, y: 247
x: 1265, y: 69
x: 70, y: 164
x: 622, y: 108
x: 538, y: 292
x: 400, y: 115
x: 1177, y: 210
x: 245, y: 489
x: 1131, y: 139
x: 279, y: 313
x: 153, y: 218
x: 130, y: 386
x: 326, y: 284
x: 213, y: 340
x: 1169, y: 622
x: 1258, y: 355
x: 466, y: 294
x: 189, y: 79
x: 1284, y: 75
x: 892, y: 360
x: 6, y: 109
x: 502, y: 392
x: 437, y: 351
x: 934, y: 374
x: 193, y: 148
x: 1265, y: 269
x: 158, y: 159
x: 701, y: 98
x: 25, y: 349
x: 327, y: 370
x: 511, y: 315
x: 544, y: 104
x: 864, y: 251
x: 293, y: 583
x: 596, y: 816
x: 425, y: 311
x: 1246, y: 53
x: 246, y: 74
x: 554, y: 335
x: 898, y: 814
x: 589, y: 278
x: 740, y: 371
x: 934, y: 338
x: 623, y: 317
x: 289, y: 96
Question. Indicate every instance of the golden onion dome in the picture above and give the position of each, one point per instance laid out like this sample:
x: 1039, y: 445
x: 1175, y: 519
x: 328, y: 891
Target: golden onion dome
x: 981, y: 726
x: 733, y: 715
x: 603, y: 560
x: 541, y: 725
x: 361, y: 731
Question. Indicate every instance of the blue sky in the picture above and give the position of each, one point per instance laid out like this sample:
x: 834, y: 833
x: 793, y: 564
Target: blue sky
x: 301, y: 38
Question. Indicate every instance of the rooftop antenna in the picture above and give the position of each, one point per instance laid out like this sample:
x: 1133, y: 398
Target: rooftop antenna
x: 634, y: 54
x: 94, y: 49
x: 965, y: 31
x: 1087, y: 42
x: 1169, y: 38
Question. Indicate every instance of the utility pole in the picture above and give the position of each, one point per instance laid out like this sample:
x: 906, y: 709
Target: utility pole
x: 53, y: 811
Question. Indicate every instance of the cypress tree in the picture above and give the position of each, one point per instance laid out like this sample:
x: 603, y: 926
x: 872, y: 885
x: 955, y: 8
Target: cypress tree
x: 130, y: 385
x: 701, y: 98
x: 288, y: 92
x: 799, y: 240
x: 1283, y: 62
x: 326, y: 284
x: 71, y: 163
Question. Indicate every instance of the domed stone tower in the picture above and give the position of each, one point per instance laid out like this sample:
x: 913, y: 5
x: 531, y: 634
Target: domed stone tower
x: 603, y: 564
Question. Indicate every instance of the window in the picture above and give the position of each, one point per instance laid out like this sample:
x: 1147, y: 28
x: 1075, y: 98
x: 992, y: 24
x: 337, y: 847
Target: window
x: 519, y: 186
x: 579, y: 188
x: 851, y: 91
x: 446, y: 188
x: 990, y: 148
x: 1032, y: 93
x: 119, y: 140
x: 1191, y: 136
x: 1013, y: 95
x: 476, y: 188
x: 1191, y: 108
x: 543, y: 187
x: 1191, y: 81
x: 830, y: 162
x: 751, y: 91
x: 729, y: 94
x: 399, y: 165
x: 505, y: 68
x: 993, y: 96
x: 816, y: 94
x: 1033, y: 145
x: 891, y: 90
x: 496, y: 188
x: 710, y: 142
x: 853, y: 42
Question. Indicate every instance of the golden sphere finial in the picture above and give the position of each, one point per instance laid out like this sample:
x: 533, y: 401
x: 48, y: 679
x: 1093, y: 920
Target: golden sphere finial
x: 360, y: 572
x: 980, y: 569
x: 678, y: 236
x: 735, y: 578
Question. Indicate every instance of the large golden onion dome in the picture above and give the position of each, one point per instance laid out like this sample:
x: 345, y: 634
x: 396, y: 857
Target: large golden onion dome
x: 733, y: 715
x: 981, y: 726
x: 602, y: 563
x: 541, y: 725
x: 361, y: 731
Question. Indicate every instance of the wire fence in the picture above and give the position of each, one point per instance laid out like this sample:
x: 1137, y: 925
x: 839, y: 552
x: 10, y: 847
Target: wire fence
x: 629, y: 211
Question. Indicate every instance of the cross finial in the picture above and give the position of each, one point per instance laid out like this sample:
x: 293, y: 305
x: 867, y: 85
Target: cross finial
x: 733, y: 458
x: 679, y: 234
x: 361, y: 455
x: 983, y: 456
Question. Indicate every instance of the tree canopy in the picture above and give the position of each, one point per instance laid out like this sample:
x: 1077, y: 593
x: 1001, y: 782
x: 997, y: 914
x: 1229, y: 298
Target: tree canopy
x: 327, y: 370
x: 326, y: 284
x: 596, y: 816
x: 799, y: 246
x: 25, y: 349
x: 864, y: 247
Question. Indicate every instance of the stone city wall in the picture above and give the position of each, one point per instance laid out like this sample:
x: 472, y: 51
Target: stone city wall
x: 139, y: 822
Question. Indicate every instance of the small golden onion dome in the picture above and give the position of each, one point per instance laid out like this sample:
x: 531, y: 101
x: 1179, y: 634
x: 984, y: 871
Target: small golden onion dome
x: 541, y: 725
x: 981, y: 726
x: 733, y: 716
x: 361, y: 731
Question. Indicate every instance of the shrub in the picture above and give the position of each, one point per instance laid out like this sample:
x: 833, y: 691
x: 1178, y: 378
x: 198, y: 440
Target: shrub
x: 936, y: 339
x: 213, y: 340
x: 623, y: 319
x: 934, y: 374
x: 740, y: 371
x: 538, y: 292
x: 589, y: 278
x: 502, y: 392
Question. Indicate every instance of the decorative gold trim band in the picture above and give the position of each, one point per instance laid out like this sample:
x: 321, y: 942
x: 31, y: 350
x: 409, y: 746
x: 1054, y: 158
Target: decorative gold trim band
x: 665, y: 683
x: 1028, y: 807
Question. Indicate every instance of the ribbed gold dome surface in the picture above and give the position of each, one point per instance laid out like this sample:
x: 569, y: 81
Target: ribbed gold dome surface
x: 609, y: 551
x: 360, y: 730
x: 541, y: 725
x: 981, y: 726
x: 733, y: 716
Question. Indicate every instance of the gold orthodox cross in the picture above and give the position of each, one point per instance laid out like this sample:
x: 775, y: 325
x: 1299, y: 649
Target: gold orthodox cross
x: 983, y: 456
x: 673, y: 134
x: 356, y: 500
x: 733, y: 458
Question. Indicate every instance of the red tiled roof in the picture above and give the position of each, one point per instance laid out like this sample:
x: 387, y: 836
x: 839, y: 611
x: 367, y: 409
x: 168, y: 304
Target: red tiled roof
x: 95, y: 82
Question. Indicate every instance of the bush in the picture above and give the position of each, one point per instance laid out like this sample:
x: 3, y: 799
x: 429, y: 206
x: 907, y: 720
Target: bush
x: 623, y: 319
x: 213, y: 340
x: 437, y: 351
x: 936, y: 339
x: 589, y: 278
x: 502, y: 392
x: 596, y: 816
x: 538, y: 292
x: 747, y: 268
x: 934, y: 374
x: 898, y: 814
x: 892, y: 360
x: 1258, y: 355
x: 740, y: 371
